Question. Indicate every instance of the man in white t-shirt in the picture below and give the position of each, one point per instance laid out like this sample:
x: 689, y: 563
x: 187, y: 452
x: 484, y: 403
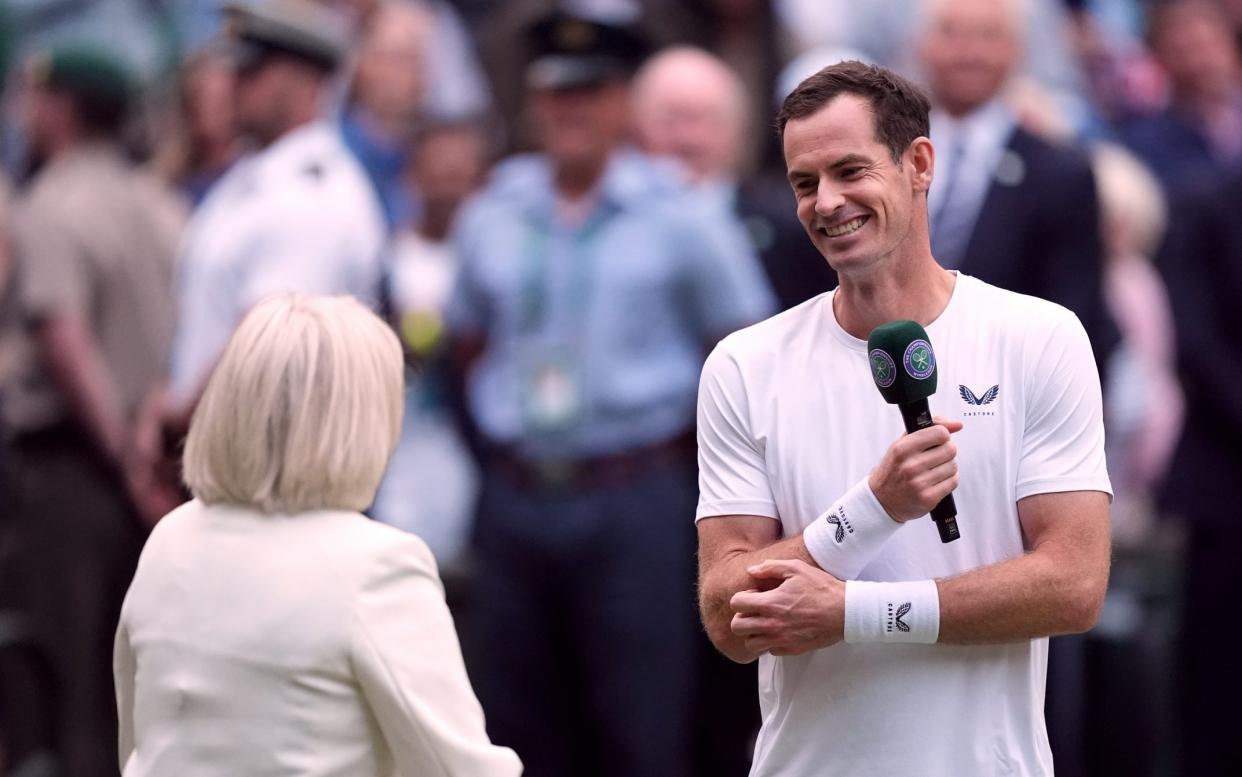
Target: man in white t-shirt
x: 815, y: 547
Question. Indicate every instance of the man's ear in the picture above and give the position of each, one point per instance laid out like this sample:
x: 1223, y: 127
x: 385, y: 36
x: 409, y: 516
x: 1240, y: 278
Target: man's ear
x: 922, y: 159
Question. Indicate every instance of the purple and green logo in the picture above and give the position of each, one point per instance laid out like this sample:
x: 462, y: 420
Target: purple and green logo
x: 919, y: 361
x: 883, y: 368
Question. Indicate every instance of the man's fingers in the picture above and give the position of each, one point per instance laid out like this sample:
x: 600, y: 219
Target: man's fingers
x: 951, y: 424
x: 751, y: 602
x: 753, y: 625
x: 775, y: 568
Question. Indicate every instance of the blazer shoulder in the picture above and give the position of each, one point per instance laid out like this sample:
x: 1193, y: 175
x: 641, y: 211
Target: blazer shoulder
x: 374, y: 543
x: 1048, y: 157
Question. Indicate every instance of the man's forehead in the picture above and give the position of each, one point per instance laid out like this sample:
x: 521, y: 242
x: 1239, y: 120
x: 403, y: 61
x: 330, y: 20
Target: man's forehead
x: 844, y: 127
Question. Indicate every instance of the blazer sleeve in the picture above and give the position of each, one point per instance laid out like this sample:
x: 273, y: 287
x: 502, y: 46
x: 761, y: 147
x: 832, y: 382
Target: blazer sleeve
x: 409, y: 666
x: 124, y: 667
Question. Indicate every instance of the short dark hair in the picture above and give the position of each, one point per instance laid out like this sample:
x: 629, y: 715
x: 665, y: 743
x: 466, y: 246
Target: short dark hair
x: 899, y: 108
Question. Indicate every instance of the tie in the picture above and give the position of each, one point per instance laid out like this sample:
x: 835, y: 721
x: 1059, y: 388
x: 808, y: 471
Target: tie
x: 951, y: 228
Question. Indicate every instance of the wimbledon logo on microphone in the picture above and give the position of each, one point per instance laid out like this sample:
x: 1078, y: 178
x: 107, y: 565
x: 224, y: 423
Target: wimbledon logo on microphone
x: 918, y: 359
x: 883, y: 368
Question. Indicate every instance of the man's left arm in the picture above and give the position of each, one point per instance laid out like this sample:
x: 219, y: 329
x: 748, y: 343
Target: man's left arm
x: 1057, y: 587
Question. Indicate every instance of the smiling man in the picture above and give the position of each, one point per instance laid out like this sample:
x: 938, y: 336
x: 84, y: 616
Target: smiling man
x: 794, y: 441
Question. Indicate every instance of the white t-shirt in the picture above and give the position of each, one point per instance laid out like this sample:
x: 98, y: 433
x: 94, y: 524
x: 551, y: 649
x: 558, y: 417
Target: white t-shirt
x: 790, y: 419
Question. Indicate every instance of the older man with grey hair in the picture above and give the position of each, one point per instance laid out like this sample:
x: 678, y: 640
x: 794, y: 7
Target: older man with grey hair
x: 690, y: 105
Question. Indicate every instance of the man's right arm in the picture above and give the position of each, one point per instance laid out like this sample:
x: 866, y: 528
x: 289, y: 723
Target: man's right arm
x: 728, y: 546
x: 915, y: 473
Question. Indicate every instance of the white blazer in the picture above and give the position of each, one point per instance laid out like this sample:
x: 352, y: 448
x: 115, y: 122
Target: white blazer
x: 312, y: 645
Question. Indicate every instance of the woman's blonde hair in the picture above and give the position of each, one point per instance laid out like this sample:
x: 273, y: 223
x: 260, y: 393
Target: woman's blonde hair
x: 303, y: 410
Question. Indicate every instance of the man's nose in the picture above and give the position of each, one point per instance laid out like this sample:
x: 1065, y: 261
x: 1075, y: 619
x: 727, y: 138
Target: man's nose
x: 828, y: 197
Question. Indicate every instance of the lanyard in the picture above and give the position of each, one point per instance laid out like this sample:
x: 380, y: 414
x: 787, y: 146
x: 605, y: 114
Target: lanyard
x: 583, y: 245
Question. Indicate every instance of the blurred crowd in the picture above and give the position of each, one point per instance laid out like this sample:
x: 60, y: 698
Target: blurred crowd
x: 561, y: 207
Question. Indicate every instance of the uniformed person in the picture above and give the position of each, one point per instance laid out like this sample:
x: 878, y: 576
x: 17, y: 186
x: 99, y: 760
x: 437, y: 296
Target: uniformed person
x: 297, y: 214
x: 592, y: 284
x: 94, y: 241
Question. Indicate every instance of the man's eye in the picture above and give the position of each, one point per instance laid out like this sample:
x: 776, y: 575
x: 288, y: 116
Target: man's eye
x: 851, y: 172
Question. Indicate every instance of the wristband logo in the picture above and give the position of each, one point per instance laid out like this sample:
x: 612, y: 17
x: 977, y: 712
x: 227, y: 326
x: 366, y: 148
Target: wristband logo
x: 837, y: 518
x: 895, y: 618
x: 919, y: 361
x: 883, y: 368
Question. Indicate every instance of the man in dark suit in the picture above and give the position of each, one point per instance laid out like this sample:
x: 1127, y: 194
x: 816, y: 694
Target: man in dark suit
x: 1008, y: 207
x: 1202, y: 266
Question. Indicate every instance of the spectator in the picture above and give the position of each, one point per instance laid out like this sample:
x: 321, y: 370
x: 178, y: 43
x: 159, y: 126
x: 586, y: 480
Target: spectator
x: 592, y: 285
x: 1008, y: 207
x: 690, y: 105
x: 296, y: 215
x: 383, y: 109
x: 338, y: 655
x: 1145, y: 408
x: 94, y: 241
x: 1126, y: 728
x: 745, y: 33
x: 1199, y: 133
x: 1202, y: 265
x: 8, y: 309
x: 203, y: 141
x: 432, y: 483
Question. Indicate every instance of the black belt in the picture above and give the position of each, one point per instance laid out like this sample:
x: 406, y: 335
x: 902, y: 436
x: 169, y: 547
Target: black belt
x: 578, y: 473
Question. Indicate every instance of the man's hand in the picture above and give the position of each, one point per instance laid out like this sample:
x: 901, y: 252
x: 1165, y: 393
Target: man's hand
x: 805, y: 610
x: 917, y: 471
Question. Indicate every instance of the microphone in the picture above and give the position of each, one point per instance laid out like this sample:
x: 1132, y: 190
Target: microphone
x: 904, y: 368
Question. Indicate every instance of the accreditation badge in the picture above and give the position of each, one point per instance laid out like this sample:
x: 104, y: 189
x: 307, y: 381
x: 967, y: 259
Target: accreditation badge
x: 554, y: 395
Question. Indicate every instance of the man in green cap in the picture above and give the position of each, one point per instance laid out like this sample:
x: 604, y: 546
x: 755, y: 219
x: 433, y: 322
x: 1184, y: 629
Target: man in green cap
x: 93, y: 244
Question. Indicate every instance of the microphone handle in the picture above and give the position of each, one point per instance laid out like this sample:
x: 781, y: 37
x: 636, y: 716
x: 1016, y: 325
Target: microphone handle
x: 917, y: 415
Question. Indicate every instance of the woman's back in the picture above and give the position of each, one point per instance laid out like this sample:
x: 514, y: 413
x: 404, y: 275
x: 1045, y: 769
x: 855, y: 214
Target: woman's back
x: 313, y: 644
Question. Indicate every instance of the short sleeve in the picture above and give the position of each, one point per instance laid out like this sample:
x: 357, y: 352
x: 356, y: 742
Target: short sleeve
x: 727, y: 286
x: 1063, y: 439
x: 53, y: 266
x: 409, y: 666
x: 733, y: 478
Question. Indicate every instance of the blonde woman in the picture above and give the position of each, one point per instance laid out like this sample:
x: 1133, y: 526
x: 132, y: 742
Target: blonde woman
x: 271, y: 629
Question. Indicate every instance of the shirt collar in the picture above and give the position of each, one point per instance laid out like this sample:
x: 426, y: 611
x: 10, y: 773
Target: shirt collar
x: 296, y: 148
x: 986, y: 128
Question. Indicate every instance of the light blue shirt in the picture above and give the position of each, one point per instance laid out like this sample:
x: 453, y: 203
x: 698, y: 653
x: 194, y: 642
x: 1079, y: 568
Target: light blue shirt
x: 627, y: 304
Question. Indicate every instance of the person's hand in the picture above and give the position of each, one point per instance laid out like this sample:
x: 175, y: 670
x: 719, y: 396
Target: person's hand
x: 917, y: 471
x: 805, y: 610
x: 150, y: 496
x: 146, y: 467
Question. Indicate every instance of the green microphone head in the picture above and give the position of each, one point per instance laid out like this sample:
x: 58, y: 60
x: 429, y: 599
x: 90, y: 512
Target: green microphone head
x: 902, y: 362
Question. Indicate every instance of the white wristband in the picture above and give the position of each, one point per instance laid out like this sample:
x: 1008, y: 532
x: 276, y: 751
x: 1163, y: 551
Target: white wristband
x: 850, y: 533
x: 892, y: 612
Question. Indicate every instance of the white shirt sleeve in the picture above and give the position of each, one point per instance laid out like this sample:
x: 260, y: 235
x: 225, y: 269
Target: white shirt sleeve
x: 733, y: 478
x: 1063, y: 440
x: 410, y: 669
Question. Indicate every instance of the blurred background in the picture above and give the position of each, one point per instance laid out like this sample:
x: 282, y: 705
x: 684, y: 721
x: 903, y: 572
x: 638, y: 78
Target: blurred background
x: 166, y: 163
